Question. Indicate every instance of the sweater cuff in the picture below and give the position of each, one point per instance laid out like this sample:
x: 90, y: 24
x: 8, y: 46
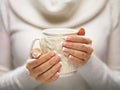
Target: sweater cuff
x: 94, y: 72
x: 92, y: 66
x: 24, y: 80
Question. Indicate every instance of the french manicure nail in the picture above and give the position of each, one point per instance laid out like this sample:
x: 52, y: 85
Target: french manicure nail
x: 65, y: 49
x: 67, y: 38
x: 35, y: 53
x: 60, y: 63
x: 52, y: 53
x: 64, y: 43
x: 71, y: 57
x: 59, y: 55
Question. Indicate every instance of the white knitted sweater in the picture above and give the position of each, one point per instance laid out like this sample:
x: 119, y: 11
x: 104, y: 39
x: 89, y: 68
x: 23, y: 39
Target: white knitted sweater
x: 102, y: 71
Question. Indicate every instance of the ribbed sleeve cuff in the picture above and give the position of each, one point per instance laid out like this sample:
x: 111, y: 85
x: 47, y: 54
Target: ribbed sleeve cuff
x: 24, y: 80
x: 98, y: 75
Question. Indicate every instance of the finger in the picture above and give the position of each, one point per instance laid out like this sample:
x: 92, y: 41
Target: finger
x: 53, y: 78
x: 77, y: 61
x: 46, y: 66
x: 36, y: 62
x: 47, y: 75
x: 78, y: 39
x: 52, y: 71
x: 81, y: 31
x: 36, y: 53
x: 78, y: 46
x: 75, y: 53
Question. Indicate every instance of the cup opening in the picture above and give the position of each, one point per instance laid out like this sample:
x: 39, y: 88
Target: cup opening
x: 59, y: 31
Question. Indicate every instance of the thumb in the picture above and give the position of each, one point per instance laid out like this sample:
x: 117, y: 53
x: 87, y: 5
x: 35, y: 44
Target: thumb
x: 81, y: 31
x: 35, y: 53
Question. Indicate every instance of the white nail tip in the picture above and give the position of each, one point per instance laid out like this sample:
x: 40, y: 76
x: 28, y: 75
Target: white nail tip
x: 63, y: 49
x: 60, y: 63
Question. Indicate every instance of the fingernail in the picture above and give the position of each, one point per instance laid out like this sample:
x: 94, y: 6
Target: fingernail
x: 64, y: 43
x: 61, y: 63
x: 58, y: 73
x: 58, y: 65
x: 66, y: 54
x: 52, y: 53
x: 61, y: 43
x: 55, y: 51
x: 81, y: 31
x: 57, y: 58
x: 35, y: 53
x: 71, y: 57
x: 67, y: 38
x: 65, y: 49
x: 59, y: 55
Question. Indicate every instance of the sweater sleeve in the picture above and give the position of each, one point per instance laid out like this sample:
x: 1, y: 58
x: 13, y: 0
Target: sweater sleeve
x: 19, y: 78
x: 101, y: 76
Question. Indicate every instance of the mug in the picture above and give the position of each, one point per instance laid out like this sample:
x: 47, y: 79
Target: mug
x: 51, y: 40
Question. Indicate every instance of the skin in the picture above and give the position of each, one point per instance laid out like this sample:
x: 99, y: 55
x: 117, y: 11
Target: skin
x: 45, y: 67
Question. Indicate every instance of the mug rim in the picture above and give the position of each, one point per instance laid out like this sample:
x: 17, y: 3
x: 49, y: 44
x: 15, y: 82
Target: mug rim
x: 59, y: 31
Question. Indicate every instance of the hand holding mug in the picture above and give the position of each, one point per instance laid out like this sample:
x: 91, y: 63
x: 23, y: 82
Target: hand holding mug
x: 45, y: 67
x: 78, y: 48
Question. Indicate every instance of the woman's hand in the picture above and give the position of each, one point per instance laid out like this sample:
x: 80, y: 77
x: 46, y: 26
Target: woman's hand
x: 78, y: 48
x: 44, y: 68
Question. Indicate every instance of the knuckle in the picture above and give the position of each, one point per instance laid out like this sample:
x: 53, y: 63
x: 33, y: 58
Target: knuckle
x: 32, y: 63
x: 81, y: 63
x: 83, y: 54
x: 35, y: 62
x: 88, y: 57
x: 27, y: 66
x: 56, y: 77
x: 37, y: 79
x: 91, y: 50
x: 90, y: 41
x: 84, y: 61
x: 28, y: 63
x: 31, y: 74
